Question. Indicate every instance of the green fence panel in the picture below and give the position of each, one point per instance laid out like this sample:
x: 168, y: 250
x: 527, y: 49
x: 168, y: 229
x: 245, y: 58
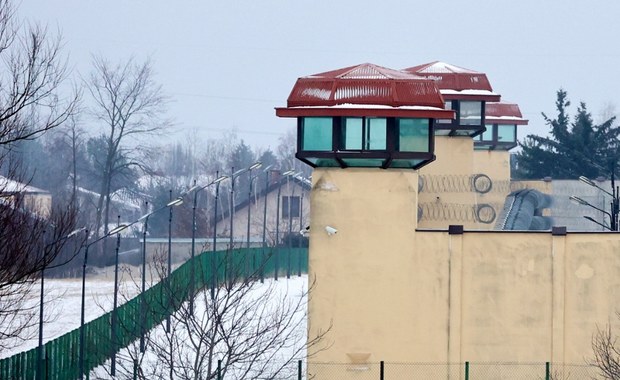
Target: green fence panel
x: 152, y: 307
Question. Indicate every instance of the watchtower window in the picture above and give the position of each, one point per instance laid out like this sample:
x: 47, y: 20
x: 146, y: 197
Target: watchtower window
x: 471, y: 113
x: 488, y: 134
x: 317, y: 133
x: 413, y: 135
x: 507, y: 133
x: 448, y: 106
x: 362, y: 133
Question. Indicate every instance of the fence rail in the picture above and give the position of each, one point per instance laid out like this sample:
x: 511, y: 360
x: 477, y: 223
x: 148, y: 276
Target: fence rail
x: 451, y: 371
x: 148, y: 309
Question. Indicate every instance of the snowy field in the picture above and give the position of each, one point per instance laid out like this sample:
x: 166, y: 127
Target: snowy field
x: 63, y: 302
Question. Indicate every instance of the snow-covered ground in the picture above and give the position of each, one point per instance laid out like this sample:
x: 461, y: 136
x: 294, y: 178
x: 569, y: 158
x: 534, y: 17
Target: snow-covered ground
x: 63, y: 301
x: 62, y: 305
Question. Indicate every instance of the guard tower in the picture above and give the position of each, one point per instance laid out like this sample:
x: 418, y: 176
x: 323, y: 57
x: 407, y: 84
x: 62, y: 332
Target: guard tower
x: 458, y: 187
x: 501, y: 122
x: 365, y: 116
x: 491, y: 148
x: 363, y: 129
x: 465, y: 91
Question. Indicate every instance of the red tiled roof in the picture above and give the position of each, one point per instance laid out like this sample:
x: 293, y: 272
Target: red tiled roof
x: 456, y: 82
x: 365, y: 84
x: 504, y: 113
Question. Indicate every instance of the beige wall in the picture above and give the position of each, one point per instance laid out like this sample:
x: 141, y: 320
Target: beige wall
x: 447, y: 195
x: 354, y: 270
x: 494, y: 163
x: 396, y: 294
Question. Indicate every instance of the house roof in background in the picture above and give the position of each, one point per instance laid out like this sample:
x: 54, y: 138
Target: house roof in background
x: 14, y: 187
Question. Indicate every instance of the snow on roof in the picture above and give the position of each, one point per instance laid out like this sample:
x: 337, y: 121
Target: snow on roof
x: 366, y: 71
x: 365, y: 84
x: 11, y: 186
x: 126, y: 198
x: 504, y: 113
x: 374, y: 106
x: 468, y: 92
x: 458, y: 79
x: 116, y: 198
x: 439, y: 67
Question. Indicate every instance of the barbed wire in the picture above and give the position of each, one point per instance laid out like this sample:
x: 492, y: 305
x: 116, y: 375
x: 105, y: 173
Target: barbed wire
x: 478, y: 183
x: 482, y: 213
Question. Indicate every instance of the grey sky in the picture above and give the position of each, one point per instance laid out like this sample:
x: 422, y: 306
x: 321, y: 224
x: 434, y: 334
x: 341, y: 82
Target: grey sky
x: 229, y: 63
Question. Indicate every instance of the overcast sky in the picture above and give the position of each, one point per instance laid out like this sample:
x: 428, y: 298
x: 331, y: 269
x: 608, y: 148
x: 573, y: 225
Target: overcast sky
x: 227, y: 64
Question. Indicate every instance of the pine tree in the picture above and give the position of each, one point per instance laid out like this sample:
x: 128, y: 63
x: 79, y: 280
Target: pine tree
x: 580, y: 148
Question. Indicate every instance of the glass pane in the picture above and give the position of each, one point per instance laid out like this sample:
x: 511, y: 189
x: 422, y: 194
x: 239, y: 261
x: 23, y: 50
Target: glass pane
x: 317, y: 133
x: 506, y: 133
x: 442, y: 132
x: 413, y: 135
x: 324, y: 162
x: 352, y: 133
x: 364, y: 162
x: 376, y: 134
x: 471, y: 113
x: 462, y: 132
x: 447, y: 106
x: 482, y: 147
x: 406, y: 164
x: 488, y: 134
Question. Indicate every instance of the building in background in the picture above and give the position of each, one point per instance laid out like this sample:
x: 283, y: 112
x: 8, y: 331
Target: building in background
x: 29, y: 197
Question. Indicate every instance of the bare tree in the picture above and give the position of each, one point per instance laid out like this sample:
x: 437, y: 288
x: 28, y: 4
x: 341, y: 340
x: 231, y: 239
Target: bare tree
x: 130, y: 105
x: 606, y: 352
x: 32, y: 77
x: 30, y: 244
x: 252, y: 330
x: 33, y: 72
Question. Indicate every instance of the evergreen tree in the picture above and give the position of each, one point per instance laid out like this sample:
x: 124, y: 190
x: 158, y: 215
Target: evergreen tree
x: 580, y: 148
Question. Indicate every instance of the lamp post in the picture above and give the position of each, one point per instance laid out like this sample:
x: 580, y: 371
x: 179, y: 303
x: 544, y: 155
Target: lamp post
x: 114, y: 307
x: 145, y: 220
x: 234, y: 175
x: 586, y: 203
x: 212, y: 261
x: 173, y: 202
x: 301, y: 226
x: 290, y: 223
x: 277, y: 241
x: 197, y: 189
x: 41, y: 301
x: 256, y: 165
x: 290, y: 227
x: 614, y: 204
x: 143, y: 289
x: 40, y: 350
x: 252, y: 178
x: 262, y: 270
x: 110, y: 233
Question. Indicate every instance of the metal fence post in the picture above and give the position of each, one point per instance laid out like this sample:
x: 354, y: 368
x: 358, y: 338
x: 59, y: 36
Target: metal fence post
x: 466, y: 370
x: 299, y: 370
x: 135, y: 369
x: 382, y: 370
x: 46, y: 366
x: 219, y: 369
x: 547, y: 371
